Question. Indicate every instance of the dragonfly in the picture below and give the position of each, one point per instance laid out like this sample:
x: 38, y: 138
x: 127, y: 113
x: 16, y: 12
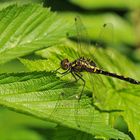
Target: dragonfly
x: 83, y: 64
x: 86, y: 65
x: 77, y: 68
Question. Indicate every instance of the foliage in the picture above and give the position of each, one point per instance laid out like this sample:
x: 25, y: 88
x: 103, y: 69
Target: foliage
x: 114, y: 94
x: 28, y: 28
x: 42, y: 93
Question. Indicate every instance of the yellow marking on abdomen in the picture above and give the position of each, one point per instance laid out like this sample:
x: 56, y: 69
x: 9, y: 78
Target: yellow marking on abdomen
x: 95, y: 69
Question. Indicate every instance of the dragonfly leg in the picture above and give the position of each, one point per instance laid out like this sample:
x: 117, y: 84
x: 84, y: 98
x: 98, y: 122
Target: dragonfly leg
x: 73, y: 74
x: 56, y: 70
x: 79, y: 74
x: 64, y: 73
x: 80, y: 77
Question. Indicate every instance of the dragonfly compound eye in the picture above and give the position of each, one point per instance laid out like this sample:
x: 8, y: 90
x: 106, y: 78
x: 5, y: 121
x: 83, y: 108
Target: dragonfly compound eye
x: 65, y: 64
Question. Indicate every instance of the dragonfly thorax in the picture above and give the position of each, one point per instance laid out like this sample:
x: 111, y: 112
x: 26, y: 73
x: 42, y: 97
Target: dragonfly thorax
x: 65, y: 64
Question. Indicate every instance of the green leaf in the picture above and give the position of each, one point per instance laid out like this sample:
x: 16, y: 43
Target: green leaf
x: 38, y: 65
x: 6, y: 3
x: 45, y: 96
x: 127, y: 99
x: 114, y: 94
x: 24, y: 29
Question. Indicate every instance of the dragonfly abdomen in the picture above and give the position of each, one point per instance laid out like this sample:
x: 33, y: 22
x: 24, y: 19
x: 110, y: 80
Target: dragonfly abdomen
x: 83, y: 64
x: 128, y: 79
x: 91, y: 69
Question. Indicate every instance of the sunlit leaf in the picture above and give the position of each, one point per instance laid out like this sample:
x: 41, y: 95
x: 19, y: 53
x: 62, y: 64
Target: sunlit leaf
x: 24, y: 29
x: 38, y: 94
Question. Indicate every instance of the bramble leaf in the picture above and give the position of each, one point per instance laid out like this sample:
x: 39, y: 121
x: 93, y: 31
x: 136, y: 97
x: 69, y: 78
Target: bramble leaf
x: 24, y: 29
x: 45, y: 96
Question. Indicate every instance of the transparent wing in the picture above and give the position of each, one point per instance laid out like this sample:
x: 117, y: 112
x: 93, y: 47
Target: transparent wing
x: 83, y: 41
x: 64, y: 104
x: 82, y: 45
x: 106, y: 35
x: 97, y: 85
x: 78, y: 107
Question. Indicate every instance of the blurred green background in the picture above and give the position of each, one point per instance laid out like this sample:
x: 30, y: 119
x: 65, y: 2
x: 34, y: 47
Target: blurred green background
x: 125, y: 38
x: 123, y: 15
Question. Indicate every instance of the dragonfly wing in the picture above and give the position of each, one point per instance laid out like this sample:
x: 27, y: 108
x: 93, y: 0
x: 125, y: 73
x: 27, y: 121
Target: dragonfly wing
x: 83, y: 103
x: 83, y: 41
x: 64, y: 102
x: 99, y: 90
x: 84, y: 114
x: 106, y: 35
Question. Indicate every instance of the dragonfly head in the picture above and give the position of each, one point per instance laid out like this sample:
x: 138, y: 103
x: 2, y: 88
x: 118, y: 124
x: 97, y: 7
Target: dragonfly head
x: 65, y: 64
